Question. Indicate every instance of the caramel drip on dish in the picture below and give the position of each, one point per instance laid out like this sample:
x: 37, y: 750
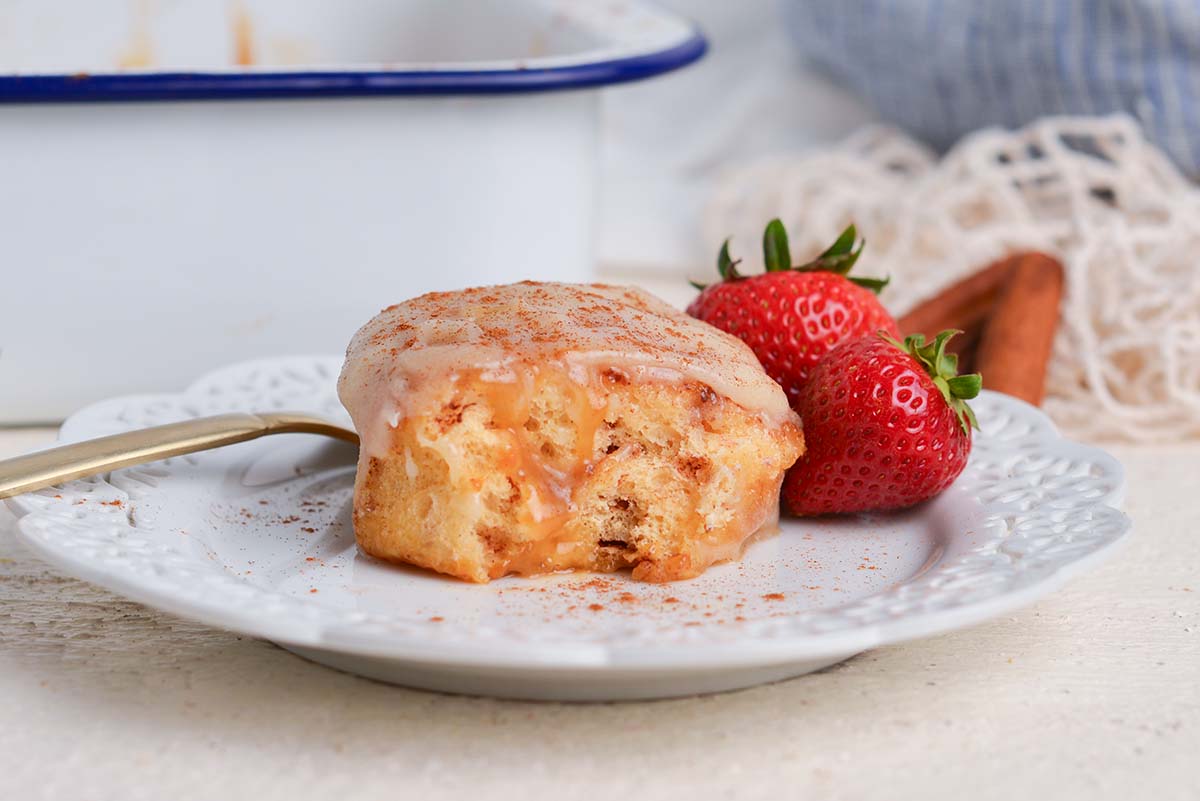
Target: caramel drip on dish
x: 139, y: 51
x: 241, y: 28
x: 547, y: 485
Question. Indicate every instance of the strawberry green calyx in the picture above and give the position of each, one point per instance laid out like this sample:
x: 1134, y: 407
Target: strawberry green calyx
x: 841, y: 255
x: 838, y: 258
x: 726, y: 267
x: 776, y: 255
x: 942, y: 367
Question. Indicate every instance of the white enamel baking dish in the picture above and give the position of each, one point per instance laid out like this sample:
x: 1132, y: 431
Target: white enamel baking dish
x: 187, y: 183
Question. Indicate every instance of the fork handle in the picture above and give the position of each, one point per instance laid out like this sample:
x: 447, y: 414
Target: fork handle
x: 49, y: 467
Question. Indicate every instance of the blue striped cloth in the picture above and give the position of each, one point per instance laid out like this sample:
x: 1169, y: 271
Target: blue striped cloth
x: 943, y: 68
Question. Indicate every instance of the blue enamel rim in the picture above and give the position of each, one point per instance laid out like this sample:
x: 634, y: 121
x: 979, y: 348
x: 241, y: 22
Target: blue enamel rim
x: 102, y: 87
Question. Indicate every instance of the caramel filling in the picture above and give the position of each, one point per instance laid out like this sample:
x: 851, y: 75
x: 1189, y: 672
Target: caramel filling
x: 547, y: 482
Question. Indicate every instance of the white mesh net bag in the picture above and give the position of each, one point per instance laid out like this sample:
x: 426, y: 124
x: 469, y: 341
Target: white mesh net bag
x: 1092, y: 191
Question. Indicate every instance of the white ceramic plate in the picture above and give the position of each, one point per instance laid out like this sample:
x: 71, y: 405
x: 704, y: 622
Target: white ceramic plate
x: 257, y: 538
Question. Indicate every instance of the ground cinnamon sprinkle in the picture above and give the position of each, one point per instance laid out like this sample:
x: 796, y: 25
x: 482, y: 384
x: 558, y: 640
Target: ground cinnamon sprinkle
x: 774, y: 596
x: 436, y: 619
x: 595, y: 584
x: 671, y: 600
x: 627, y: 598
x: 112, y: 503
x: 595, y: 607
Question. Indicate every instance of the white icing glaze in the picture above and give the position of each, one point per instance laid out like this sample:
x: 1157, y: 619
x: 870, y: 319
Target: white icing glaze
x: 398, y: 360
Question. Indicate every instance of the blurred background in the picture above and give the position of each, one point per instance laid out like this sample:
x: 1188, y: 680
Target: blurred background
x: 192, y: 183
x: 667, y: 142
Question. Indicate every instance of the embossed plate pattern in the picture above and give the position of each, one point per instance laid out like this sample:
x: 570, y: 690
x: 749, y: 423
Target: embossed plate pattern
x: 257, y: 538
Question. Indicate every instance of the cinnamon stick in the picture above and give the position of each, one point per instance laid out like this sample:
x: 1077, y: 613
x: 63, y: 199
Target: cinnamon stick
x: 1019, y: 334
x: 1008, y: 312
x: 965, y: 304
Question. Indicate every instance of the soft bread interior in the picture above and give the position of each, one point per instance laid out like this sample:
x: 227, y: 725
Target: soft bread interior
x: 546, y: 474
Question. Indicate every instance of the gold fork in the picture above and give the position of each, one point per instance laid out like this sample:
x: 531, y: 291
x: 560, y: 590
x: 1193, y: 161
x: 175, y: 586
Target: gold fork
x: 49, y: 467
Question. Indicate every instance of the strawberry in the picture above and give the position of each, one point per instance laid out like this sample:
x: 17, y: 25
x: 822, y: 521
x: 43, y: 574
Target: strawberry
x: 792, y: 316
x: 886, y: 425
